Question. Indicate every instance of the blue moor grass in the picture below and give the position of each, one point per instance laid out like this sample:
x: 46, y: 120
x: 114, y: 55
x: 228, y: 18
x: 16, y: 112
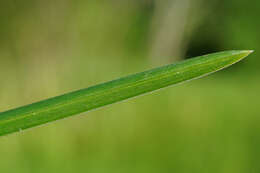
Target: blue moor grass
x: 114, y: 91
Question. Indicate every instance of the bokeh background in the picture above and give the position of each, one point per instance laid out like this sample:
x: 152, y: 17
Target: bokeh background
x: 50, y: 47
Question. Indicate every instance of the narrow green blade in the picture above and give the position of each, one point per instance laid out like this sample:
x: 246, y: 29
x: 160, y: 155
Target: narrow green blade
x: 114, y: 91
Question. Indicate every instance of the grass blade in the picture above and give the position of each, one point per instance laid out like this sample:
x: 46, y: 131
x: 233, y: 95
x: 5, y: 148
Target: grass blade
x: 110, y: 92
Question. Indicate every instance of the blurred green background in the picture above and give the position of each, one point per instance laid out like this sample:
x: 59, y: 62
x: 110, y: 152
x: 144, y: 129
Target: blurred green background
x: 51, y: 47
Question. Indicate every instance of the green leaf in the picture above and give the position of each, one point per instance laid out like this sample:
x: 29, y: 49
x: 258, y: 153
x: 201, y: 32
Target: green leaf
x: 114, y: 91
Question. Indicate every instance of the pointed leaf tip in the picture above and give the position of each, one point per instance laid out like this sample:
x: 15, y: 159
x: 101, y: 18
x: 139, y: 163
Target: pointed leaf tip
x: 246, y: 53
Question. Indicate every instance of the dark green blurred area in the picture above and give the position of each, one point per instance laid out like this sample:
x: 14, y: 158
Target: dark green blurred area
x: 48, y: 48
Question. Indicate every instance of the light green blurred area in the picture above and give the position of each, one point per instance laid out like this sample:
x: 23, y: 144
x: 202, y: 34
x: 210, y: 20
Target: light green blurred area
x: 48, y: 48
